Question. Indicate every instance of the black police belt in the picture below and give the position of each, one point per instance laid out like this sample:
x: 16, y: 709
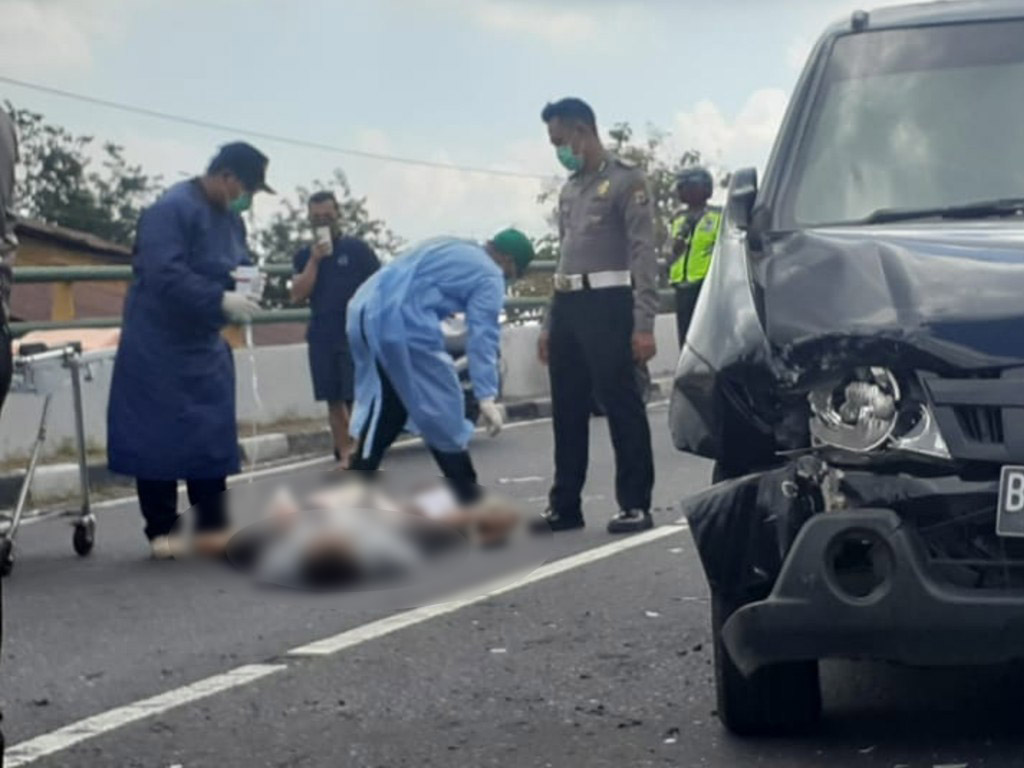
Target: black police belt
x: 618, y: 278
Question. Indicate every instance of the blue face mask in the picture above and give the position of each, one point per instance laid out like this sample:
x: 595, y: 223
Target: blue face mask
x: 569, y: 159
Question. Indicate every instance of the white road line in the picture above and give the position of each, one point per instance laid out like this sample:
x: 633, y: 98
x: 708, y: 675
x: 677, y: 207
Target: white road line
x: 386, y: 626
x: 64, y: 738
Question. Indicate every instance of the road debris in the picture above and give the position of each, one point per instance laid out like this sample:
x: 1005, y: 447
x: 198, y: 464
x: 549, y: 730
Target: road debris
x: 499, y: 650
x: 652, y: 614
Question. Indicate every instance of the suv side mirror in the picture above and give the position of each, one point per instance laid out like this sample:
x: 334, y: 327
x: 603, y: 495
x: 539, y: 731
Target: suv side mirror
x: 742, y: 193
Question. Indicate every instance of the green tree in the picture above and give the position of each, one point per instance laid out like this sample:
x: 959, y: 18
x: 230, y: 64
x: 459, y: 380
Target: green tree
x: 661, y: 172
x: 277, y: 241
x: 60, y: 181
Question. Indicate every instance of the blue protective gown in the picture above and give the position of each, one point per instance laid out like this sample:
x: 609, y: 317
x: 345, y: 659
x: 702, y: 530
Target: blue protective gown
x: 171, y: 413
x: 395, y: 318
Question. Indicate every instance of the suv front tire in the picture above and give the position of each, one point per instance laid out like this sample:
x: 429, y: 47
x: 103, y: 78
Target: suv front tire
x: 776, y: 700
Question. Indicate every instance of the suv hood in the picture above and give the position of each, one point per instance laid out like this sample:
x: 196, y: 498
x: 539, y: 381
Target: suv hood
x: 953, y: 293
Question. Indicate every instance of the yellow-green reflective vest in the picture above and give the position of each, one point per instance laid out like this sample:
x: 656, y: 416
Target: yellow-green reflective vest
x: 693, y: 264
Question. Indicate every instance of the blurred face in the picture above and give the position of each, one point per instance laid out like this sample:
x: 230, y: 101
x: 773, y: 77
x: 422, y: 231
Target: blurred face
x: 569, y: 140
x: 507, y: 264
x: 230, y: 193
x: 237, y: 197
x: 324, y: 214
x: 692, y: 195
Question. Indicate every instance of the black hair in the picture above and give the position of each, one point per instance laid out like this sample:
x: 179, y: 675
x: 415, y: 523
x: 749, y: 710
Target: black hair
x: 570, y: 110
x: 323, y: 196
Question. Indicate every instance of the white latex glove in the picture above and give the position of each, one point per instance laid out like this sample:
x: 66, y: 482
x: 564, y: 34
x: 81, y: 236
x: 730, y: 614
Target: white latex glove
x: 238, y: 307
x: 491, y: 415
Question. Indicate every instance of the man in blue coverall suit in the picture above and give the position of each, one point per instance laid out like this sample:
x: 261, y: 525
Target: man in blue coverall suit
x: 402, y: 370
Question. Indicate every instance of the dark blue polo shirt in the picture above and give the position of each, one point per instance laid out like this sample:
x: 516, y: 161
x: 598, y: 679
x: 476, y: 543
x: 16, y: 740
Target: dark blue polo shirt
x: 338, y: 278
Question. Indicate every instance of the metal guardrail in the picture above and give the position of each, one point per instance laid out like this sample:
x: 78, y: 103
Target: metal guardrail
x: 69, y: 275
x: 117, y: 274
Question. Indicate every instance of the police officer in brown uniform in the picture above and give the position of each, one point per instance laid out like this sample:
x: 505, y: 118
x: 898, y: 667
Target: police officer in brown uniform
x: 601, y: 320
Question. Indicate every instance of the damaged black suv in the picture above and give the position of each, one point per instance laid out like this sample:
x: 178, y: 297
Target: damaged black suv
x: 855, y: 367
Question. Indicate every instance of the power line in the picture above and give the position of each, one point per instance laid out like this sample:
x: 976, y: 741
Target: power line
x: 270, y: 136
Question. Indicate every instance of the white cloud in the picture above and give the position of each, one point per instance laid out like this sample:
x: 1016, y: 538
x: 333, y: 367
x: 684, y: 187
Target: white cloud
x: 415, y: 201
x: 745, y: 139
x: 172, y: 159
x: 558, y: 24
x: 545, y: 21
x: 47, y: 37
x: 37, y: 36
x: 419, y: 202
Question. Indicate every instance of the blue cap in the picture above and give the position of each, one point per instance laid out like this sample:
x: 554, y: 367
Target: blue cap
x: 244, y: 161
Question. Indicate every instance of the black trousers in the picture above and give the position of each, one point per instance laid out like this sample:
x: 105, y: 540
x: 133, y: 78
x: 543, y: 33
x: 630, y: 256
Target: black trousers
x: 6, y: 362
x: 6, y: 371
x: 456, y: 467
x: 686, y: 300
x: 159, y: 502
x: 590, y: 349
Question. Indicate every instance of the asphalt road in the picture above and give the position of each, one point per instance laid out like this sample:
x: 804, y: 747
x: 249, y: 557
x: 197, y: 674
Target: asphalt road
x: 605, y: 664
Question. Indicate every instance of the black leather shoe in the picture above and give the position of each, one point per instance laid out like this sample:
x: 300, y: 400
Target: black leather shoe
x: 556, y: 521
x: 631, y: 521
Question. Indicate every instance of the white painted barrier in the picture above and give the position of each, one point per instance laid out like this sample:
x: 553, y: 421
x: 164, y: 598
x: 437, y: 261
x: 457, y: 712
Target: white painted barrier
x: 286, y: 391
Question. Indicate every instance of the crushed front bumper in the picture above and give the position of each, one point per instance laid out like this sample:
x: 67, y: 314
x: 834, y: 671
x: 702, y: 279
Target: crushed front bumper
x: 913, y: 617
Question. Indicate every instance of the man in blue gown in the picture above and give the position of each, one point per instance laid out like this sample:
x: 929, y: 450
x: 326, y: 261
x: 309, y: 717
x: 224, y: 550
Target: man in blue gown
x: 402, y: 370
x: 171, y: 414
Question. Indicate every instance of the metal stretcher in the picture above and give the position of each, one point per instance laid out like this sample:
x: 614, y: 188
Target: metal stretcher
x: 44, y: 369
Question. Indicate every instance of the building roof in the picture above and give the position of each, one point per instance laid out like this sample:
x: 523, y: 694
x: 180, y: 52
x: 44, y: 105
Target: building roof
x: 34, y: 301
x: 71, y: 239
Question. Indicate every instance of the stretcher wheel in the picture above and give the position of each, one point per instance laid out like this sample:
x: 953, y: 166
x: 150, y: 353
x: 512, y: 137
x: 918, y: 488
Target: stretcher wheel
x: 83, y: 538
x: 6, y: 557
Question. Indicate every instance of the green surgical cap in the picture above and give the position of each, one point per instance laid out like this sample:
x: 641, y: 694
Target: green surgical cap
x: 514, y: 243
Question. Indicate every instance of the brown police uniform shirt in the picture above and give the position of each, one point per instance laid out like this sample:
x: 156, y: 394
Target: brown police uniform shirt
x: 606, y: 222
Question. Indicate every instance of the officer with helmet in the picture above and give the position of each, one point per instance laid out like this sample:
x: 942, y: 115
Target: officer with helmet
x: 693, y: 233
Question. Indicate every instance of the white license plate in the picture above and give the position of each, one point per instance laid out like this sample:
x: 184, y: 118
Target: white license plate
x: 1010, y: 510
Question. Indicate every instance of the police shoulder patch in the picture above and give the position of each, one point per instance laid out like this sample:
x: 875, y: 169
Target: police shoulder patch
x: 640, y: 196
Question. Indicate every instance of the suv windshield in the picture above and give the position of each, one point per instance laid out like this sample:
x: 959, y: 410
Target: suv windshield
x: 910, y: 119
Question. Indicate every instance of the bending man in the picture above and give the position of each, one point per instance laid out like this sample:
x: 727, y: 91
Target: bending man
x: 402, y: 370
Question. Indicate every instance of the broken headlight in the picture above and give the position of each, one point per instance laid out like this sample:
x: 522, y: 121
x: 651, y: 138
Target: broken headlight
x: 857, y: 414
x: 866, y: 411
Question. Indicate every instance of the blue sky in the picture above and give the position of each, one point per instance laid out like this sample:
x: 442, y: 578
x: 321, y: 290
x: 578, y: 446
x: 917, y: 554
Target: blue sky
x: 458, y: 81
